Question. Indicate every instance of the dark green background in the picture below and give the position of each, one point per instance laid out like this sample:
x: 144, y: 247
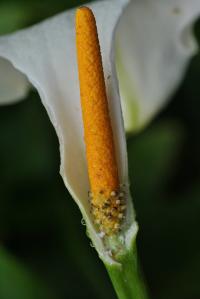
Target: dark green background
x: 44, y: 252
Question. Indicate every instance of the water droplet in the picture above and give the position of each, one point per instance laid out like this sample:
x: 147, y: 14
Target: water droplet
x: 92, y: 245
x: 83, y: 222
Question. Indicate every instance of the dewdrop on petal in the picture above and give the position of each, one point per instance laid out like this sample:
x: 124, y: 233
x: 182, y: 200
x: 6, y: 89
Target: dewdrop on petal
x: 100, y: 152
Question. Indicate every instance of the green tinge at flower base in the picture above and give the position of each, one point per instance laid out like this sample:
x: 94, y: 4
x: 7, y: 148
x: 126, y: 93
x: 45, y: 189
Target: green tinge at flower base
x: 126, y: 277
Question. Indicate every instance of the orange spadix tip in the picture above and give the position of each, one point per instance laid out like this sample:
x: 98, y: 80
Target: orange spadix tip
x: 106, y: 200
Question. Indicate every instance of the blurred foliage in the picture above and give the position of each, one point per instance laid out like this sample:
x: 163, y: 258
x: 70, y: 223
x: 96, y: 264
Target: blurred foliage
x: 16, y: 282
x: 44, y: 251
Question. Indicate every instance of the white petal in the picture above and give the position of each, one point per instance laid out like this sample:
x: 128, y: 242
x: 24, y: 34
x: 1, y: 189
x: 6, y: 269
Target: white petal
x: 13, y: 84
x: 154, y: 43
x: 46, y: 54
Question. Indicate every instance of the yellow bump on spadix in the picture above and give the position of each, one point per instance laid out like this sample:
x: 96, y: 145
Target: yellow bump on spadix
x: 107, y: 206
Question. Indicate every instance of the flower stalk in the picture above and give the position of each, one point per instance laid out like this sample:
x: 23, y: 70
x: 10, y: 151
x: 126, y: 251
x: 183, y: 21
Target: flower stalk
x: 127, y: 278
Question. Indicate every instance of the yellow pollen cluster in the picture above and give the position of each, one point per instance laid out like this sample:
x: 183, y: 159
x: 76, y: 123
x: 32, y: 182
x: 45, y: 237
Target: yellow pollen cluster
x: 107, y: 202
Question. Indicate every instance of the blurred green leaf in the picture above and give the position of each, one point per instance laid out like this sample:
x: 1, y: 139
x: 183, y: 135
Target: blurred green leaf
x: 152, y: 159
x: 18, y: 283
x: 13, y: 16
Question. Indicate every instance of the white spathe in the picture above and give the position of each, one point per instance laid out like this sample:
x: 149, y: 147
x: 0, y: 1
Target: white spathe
x: 14, y: 86
x: 46, y: 55
x: 155, y: 42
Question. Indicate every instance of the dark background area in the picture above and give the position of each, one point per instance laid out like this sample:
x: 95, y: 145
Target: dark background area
x: 44, y: 252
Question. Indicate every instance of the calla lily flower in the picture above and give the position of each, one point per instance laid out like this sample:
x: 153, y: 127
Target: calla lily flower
x: 146, y: 46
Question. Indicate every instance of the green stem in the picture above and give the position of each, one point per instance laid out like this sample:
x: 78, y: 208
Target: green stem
x: 126, y: 277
